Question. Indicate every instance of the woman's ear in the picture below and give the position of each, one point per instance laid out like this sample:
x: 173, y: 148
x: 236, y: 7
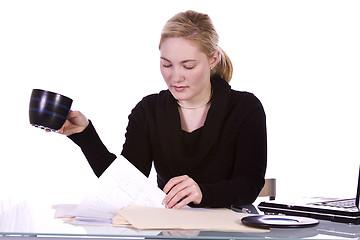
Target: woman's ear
x: 215, y: 59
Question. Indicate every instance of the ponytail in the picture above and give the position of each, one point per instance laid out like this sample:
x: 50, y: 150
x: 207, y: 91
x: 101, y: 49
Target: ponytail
x: 224, y: 67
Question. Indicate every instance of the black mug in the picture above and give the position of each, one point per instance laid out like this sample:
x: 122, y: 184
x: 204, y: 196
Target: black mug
x: 48, y: 110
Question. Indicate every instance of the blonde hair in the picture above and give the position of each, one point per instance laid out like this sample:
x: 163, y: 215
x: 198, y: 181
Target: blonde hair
x: 198, y: 28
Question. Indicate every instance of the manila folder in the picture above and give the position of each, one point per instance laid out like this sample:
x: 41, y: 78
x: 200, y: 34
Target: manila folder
x: 143, y: 217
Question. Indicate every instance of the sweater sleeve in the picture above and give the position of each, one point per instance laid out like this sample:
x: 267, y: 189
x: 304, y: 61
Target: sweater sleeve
x: 137, y: 147
x: 94, y: 150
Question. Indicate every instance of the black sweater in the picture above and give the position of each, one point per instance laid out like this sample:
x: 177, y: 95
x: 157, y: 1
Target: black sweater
x: 228, y: 161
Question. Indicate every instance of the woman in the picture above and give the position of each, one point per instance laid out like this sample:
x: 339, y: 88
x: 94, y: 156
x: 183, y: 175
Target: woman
x: 207, y: 141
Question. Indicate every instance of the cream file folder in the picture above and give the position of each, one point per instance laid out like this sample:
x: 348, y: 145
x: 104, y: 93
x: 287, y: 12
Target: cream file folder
x: 143, y: 217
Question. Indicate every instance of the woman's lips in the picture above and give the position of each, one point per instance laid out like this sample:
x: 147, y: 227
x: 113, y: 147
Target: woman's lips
x: 179, y: 88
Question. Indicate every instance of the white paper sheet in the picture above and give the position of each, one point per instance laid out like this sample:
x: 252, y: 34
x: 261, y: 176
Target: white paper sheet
x: 121, y: 185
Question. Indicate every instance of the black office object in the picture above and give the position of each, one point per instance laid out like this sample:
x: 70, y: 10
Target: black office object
x: 277, y: 221
x: 337, y: 210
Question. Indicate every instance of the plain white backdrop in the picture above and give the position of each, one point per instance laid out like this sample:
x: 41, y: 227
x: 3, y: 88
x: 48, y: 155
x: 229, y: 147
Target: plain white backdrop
x: 300, y: 58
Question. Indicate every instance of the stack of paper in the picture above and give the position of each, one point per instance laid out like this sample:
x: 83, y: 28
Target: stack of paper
x: 120, y: 186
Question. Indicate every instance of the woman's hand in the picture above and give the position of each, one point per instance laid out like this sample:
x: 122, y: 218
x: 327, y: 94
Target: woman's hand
x: 181, y: 191
x: 75, y: 123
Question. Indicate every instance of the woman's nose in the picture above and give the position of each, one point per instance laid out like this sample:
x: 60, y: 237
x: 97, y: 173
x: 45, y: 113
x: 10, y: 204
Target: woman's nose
x: 177, y: 75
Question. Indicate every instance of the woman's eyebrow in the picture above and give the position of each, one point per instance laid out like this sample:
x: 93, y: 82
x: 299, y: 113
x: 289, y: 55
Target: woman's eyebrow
x: 165, y: 59
x: 184, y: 61
x: 188, y: 60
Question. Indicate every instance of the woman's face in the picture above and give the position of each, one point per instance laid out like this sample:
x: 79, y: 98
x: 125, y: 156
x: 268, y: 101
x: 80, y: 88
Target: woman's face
x: 186, y: 70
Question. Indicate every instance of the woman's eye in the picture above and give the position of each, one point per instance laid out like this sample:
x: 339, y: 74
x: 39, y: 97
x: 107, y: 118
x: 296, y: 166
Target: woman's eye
x: 188, y: 67
x: 166, y: 65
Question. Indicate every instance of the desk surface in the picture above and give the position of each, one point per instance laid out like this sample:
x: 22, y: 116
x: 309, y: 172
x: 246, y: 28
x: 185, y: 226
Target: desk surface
x: 33, y: 218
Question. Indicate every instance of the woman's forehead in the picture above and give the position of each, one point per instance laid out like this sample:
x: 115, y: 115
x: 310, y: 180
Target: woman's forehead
x: 179, y: 49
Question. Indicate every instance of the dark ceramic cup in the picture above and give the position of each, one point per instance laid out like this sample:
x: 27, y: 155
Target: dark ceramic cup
x: 48, y: 110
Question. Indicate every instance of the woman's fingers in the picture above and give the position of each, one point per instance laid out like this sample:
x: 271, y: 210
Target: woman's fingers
x: 75, y: 123
x: 181, y: 191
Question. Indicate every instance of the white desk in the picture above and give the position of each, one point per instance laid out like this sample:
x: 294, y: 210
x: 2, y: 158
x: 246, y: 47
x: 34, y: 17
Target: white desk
x: 34, y: 219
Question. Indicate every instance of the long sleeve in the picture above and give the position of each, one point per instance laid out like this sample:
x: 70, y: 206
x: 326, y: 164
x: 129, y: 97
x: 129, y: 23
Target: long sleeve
x: 94, y: 150
x: 139, y: 141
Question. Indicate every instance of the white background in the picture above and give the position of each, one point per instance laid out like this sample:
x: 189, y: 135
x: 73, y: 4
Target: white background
x: 300, y: 58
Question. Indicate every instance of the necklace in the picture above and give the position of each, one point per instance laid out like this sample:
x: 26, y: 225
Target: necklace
x: 196, y: 107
